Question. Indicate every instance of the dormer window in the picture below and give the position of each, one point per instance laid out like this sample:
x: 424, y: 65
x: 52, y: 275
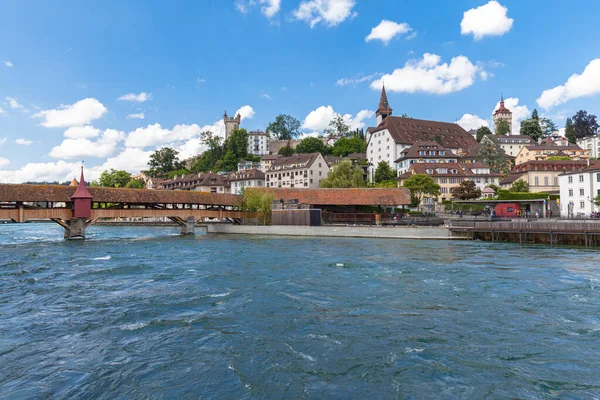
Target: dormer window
x: 429, y: 171
x: 442, y: 153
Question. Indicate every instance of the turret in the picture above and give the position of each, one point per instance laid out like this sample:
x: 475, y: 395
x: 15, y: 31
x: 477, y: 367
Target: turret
x: 384, y: 110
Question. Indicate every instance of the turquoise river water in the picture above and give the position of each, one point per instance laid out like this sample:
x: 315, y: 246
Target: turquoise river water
x: 140, y: 312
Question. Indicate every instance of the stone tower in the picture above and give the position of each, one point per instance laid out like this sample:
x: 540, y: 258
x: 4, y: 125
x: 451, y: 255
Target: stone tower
x: 502, y: 113
x: 231, y: 124
x: 384, y: 110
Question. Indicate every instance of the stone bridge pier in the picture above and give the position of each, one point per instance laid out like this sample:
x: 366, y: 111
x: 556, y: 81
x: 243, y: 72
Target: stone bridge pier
x: 187, y: 225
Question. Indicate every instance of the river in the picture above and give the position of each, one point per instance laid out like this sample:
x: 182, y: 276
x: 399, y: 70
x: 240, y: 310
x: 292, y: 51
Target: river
x: 140, y: 312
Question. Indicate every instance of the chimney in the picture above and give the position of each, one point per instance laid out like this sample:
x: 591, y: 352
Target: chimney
x: 588, y: 162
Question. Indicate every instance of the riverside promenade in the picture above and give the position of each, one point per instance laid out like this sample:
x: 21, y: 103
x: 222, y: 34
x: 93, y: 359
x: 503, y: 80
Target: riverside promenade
x: 382, y: 232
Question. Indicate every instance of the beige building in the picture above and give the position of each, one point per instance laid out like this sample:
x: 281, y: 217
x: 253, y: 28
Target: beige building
x: 202, y: 182
x: 247, y: 179
x: 513, y: 144
x: 267, y: 161
x: 298, y: 171
x: 542, y: 176
x: 543, y: 152
x: 450, y: 175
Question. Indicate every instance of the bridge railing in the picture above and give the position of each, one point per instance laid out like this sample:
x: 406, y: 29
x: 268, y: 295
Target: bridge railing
x: 527, y: 225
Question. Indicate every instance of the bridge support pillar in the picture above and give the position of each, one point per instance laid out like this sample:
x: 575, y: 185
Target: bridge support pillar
x: 189, y: 226
x: 74, y: 228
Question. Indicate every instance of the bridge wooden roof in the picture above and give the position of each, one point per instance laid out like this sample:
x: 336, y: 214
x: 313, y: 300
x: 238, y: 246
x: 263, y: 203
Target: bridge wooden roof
x: 55, y: 193
x: 342, y: 197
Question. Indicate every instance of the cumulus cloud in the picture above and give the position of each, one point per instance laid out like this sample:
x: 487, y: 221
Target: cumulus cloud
x: 329, y: 12
x: 318, y: 120
x: 470, y: 121
x: 131, y: 160
x: 578, y: 85
x: 357, y: 79
x: 81, y: 132
x: 269, y: 7
x: 387, y: 30
x: 1, y: 110
x: 429, y: 75
x: 519, y: 113
x: 136, y: 116
x: 138, y: 98
x: 9, y: 64
x: 81, y: 113
x: 15, y: 105
x: 23, y: 142
x: 42, y: 172
x: 84, y: 148
x: 2, y: 141
x: 488, y: 20
x: 3, y: 162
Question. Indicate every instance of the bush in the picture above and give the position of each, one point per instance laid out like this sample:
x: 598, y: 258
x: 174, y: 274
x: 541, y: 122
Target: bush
x: 508, y: 195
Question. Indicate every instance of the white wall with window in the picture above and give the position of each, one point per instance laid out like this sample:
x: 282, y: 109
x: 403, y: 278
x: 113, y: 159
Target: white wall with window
x: 577, y: 192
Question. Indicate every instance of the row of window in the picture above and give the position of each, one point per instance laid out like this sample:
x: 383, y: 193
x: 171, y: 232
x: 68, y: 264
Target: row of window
x: 536, y: 181
x: 581, y: 178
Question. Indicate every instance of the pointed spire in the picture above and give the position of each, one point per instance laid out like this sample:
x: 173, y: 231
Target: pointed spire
x: 501, y: 97
x: 82, y: 191
x: 384, y: 107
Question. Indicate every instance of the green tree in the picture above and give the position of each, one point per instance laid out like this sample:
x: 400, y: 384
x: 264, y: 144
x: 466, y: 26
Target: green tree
x: 136, y: 184
x: 467, y: 190
x: 520, y: 186
x: 584, y: 124
x: 596, y: 201
x: 312, y: 145
x: 534, y: 115
x: 420, y: 186
x: 286, y: 151
x: 113, y: 178
x: 502, y: 127
x: 570, y: 131
x: 548, y: 127
x: 237, y: 143
x: 337, y: 126
x: 258, y: 200
x: 163, y: 161
x: 345, y: 146
x: 384, y: 172
x: 482, y: 131
x: 531, y: 127
x: 344, y: 175
x: 493, y: 156
x: 208, y: 160
x: 285, y: 127
x: 178, y: 172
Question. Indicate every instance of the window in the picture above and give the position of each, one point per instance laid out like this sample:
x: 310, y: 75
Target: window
x: 571, y: 179
x: 582, y: 204
x: 582, y: 192
x: 580, y: 178
x: 537, y: 181
x: 598, y: 177
x: 443, y: 180
x: 545, y: 181
x: 570, y: 192
x: 556, y: 181
x: 319, y: 165
x: 320, y: 173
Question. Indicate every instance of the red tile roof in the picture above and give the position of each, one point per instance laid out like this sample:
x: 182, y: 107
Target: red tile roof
x: 343, y: 197
x: 297, y: 161
x: 410, y: 130
x: 462, y: 170
x: 248, y: 175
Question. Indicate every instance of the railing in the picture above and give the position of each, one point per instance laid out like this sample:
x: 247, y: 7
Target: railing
x: 527, y: 226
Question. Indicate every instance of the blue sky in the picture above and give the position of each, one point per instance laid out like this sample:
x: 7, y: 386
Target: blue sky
x: 67, y: 67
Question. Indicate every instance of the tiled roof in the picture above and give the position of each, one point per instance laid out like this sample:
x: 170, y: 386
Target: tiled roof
x: 550, y: 165
x: 507, y: 138
x: 553, y: 147
x: 511, y: 178
x: 593, y: 167
x: 54, y: 193
x: 410, y: 130
x: 251, y: 174
x: 270, y: 157
x: 413, y: 151
x: 502, y: 109
x: 296, y: 161
x: 343, y: 197
x: 462, y: 169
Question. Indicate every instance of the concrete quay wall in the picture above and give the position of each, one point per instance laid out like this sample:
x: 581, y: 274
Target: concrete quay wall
x: 431, y: 233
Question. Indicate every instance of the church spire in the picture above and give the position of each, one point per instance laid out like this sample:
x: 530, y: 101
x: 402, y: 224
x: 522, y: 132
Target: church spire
x: 384, y: 110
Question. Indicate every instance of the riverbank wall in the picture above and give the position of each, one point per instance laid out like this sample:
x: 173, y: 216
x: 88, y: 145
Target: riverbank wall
x: 420, y: 233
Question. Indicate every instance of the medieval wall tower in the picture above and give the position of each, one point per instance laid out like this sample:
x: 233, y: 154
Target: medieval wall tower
x: 231, y: 124
x: 502, y: 113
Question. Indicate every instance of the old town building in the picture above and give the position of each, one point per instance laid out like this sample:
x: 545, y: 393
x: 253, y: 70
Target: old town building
x: 298, y: 171
x: 543, y: 152
x: 542, y: 175
x: 247, y: 179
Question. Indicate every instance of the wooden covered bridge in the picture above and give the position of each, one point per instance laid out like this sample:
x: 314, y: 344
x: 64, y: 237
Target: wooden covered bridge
x: 75, y: 208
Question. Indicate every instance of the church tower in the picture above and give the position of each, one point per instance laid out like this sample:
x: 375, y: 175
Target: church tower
x: 384, y: 110
x: 502, y: 113
x: 231, y: 124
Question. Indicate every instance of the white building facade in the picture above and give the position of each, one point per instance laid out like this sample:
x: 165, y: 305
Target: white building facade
x: 247, y: 179
x: 299, y: 171
x: 592, y: 144
x: 258, y: 143
x: 577, y: 192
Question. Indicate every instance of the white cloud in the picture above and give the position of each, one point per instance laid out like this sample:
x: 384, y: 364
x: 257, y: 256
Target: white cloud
x: 80, y: 113
x: 265, y: 96
x: 15, y: 105
x: 138, y: 98
x: 151, y: 135
x: 2, y: 141
x: 84, y: 148
x: 488, y: 20
x: 9, y: 64
x: 23, y: 142
x: 246, y: 112
x: 130, y: 160
x: 387, y: 30
x: 269, y: 7
x: 200, y: 80
x: 42, y: 172
x: 136, y: 116
x: 519, y: 113
x: 1, y: 110
x: 470, y: 121
x: 81, y: 132
x: 358, y: 78
x: 330, y: 12
x: 318, y: 120
x: 430, y: 76
x: 3, y: 162
x: 586, y: 84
